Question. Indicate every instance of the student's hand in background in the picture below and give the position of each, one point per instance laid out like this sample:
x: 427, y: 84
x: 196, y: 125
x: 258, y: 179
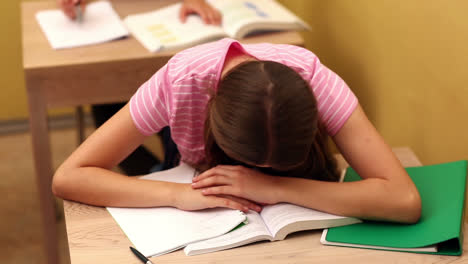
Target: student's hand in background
x: 189, y: 199
x: 240, y: 182
x: 68, y: 7
x: 208, y: 13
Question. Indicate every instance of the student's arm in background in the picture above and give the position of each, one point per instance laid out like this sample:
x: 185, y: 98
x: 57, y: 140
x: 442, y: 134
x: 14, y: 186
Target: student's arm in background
x: 86, y: 175
x: 385, y: 193
x: 207, y: 12
x: 68, y: 7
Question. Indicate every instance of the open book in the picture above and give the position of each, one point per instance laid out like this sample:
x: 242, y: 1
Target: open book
x: 274, y: 222
x: 162, y: 29
x: 440, y: 228
x: 100, y: 23
x: 156, y: 231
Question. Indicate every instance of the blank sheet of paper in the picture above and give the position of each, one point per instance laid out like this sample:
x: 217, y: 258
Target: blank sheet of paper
x: 100, y: 24
x: 160, y: 230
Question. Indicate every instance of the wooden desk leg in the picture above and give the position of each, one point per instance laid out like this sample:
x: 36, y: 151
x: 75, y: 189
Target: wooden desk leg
x: 79, y: 113
x: 44, y: 172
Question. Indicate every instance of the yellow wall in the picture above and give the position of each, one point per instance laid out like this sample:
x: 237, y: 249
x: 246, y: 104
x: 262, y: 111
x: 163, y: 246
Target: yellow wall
x: 13, y: 96
x: 13, y: 102
x: 405, y: 60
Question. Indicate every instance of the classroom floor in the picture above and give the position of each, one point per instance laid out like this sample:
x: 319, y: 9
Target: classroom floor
x: 21, y: 236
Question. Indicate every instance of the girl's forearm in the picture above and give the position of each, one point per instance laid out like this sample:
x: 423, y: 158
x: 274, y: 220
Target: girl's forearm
x: 101, y: 187
x: 372, y: 198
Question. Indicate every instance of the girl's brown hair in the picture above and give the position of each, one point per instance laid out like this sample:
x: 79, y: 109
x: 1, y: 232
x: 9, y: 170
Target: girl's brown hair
x: 264, y: 113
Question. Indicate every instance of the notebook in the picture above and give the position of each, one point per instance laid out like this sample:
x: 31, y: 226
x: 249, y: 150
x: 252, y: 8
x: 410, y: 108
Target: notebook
x: 100, y: 23
x: 157, y: 231
x: 439, y: 231
x: 162, y: 30
x: 273, y: 223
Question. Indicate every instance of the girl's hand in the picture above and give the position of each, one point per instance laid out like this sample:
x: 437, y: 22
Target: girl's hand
x: 208, y: 13
x: 241, y: 182
x: 189, y: 199
x: 68, y: 7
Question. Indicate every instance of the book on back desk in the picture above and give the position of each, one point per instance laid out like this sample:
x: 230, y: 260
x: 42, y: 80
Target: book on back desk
x: 162, y: 29
x: 440, y: 229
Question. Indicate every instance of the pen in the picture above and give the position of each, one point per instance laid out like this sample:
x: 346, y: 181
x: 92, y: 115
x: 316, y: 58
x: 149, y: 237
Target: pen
x: 141, y: 256
x: 78, y: 11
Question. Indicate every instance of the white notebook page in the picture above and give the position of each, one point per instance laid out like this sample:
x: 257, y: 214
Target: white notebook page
x: 100, y: 23
x: 156, y: 231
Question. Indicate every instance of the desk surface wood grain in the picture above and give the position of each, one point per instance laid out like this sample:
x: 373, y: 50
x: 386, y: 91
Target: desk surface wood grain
x: 94, y: 237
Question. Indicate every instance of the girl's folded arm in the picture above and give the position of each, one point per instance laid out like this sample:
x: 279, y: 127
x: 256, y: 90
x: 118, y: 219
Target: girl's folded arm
x: 386, y: 191
x: 86, y: 175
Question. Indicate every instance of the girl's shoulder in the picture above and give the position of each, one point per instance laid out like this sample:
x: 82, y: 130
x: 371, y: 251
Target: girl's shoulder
x: 199, y: 62
x: 298, y: 58
x: 268, y: 49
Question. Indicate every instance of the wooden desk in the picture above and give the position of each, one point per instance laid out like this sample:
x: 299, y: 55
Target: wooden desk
x: 94, y: 237
x: 105, y: 73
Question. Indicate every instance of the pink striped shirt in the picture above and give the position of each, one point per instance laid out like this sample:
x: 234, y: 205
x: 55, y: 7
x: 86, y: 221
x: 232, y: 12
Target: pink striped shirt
x: 176, y: 95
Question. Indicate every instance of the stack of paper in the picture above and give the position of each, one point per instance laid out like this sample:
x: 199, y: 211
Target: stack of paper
x: 162, y: 29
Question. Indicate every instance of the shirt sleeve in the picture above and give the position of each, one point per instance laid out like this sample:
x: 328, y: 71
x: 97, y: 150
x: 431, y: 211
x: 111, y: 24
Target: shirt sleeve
x: 150, y: 106
x: 335, y: 100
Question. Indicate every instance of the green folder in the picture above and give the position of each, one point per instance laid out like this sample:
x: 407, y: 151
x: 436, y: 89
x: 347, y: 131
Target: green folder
x: 442, y: 190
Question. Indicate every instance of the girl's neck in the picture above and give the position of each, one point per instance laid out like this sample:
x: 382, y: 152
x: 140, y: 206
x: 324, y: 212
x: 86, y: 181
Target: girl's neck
x: 233, y: 58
